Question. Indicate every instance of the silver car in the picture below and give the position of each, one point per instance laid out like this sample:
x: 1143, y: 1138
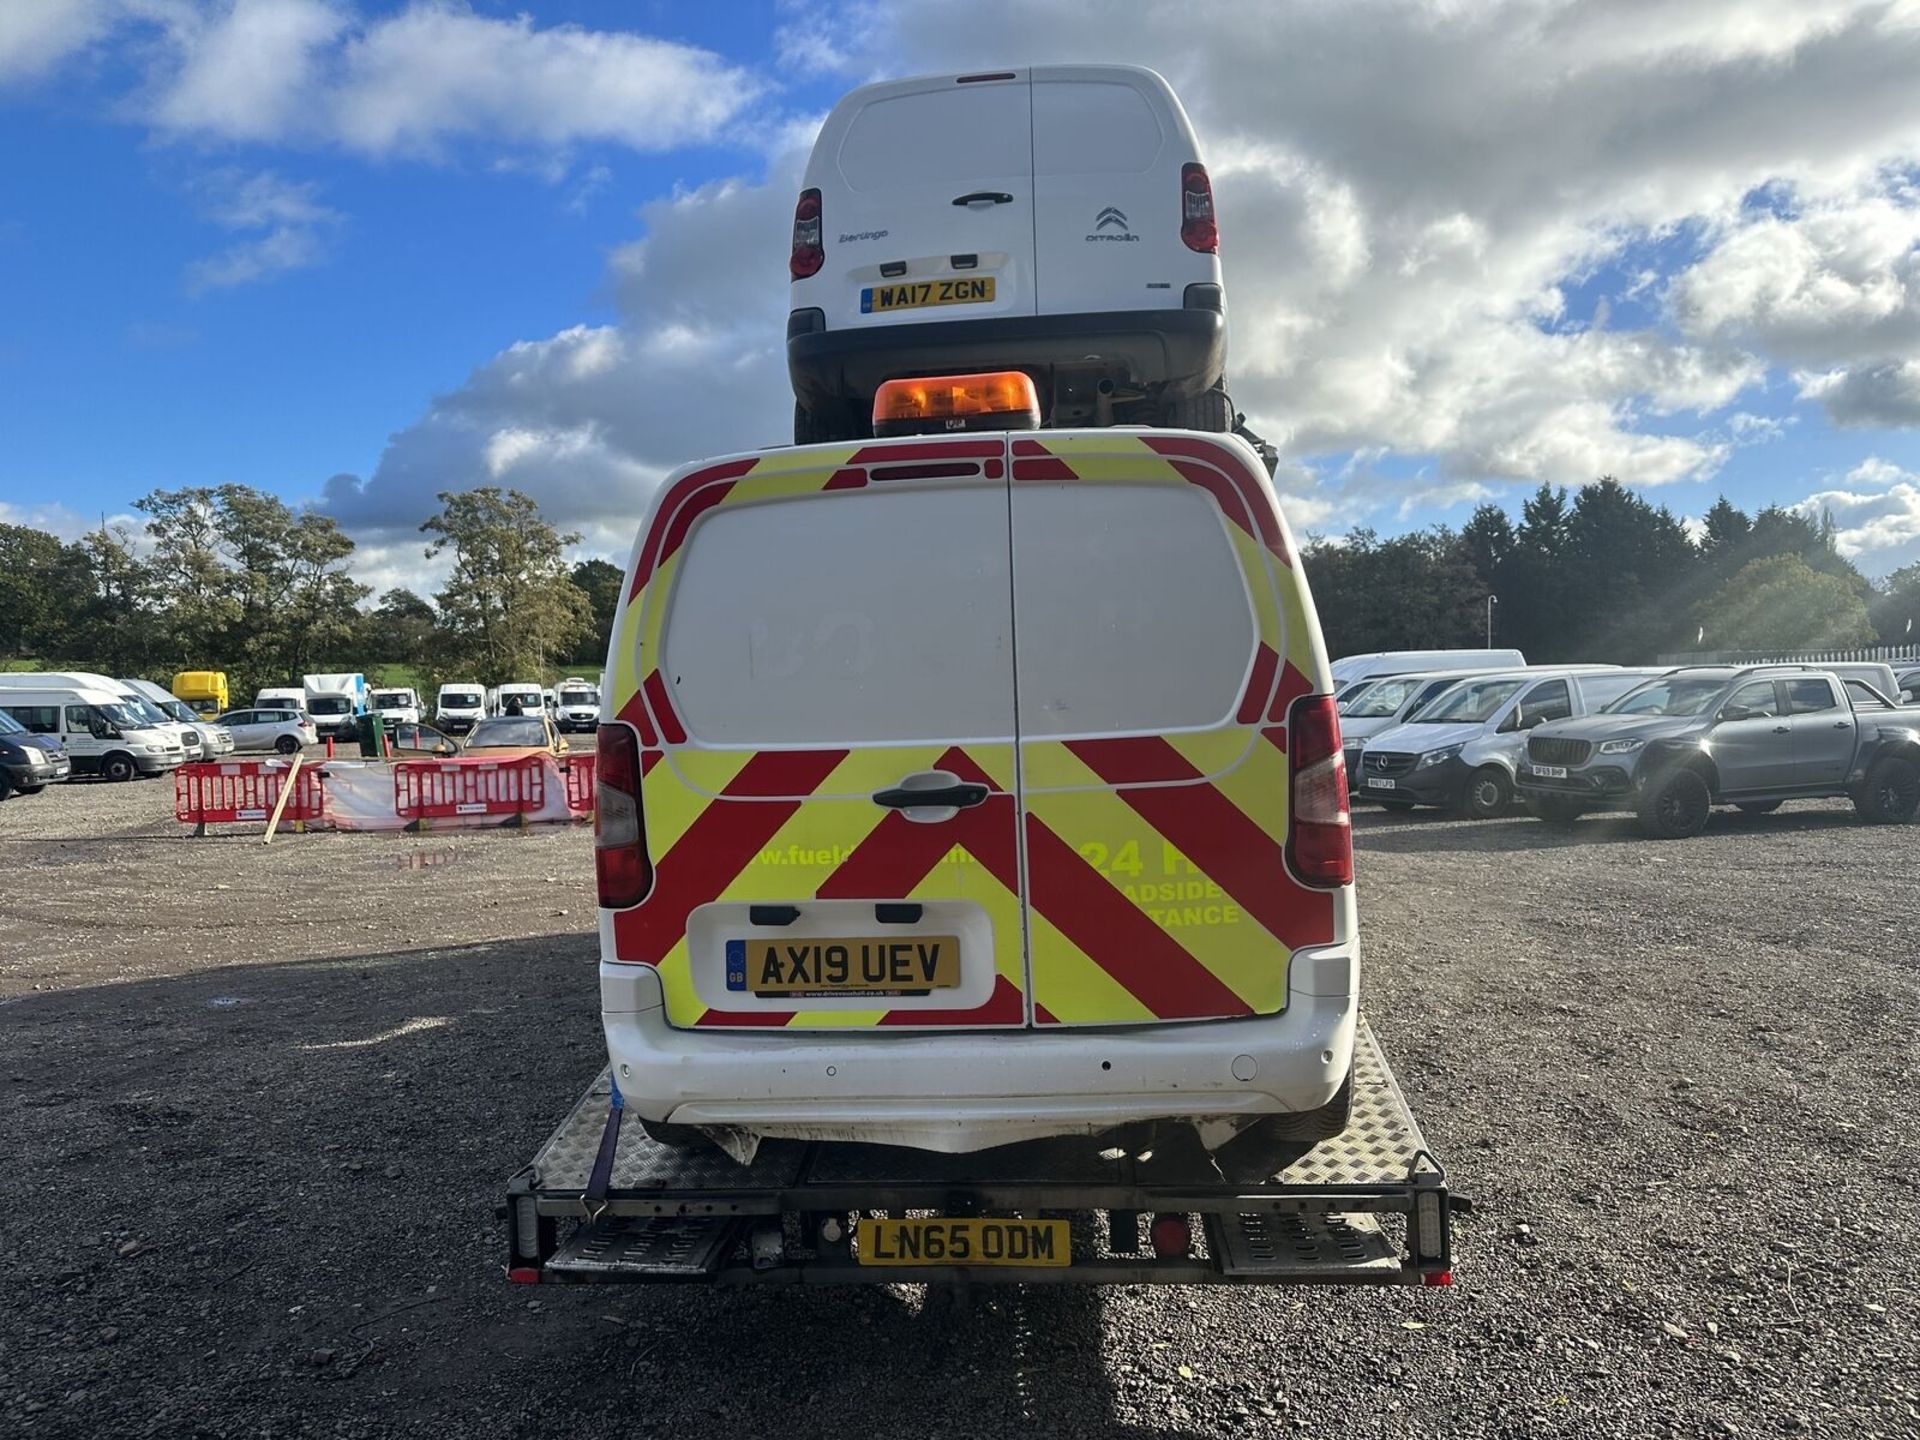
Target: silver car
x: 283, y: 730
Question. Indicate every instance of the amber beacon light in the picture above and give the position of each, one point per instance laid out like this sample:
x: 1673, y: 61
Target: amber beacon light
x: 936, y: 404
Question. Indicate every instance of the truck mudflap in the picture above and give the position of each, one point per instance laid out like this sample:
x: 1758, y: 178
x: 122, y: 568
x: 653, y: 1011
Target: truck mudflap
x: 602, y: 1203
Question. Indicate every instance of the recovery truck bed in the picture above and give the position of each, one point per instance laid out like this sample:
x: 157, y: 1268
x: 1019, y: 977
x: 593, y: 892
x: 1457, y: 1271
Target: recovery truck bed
x: 602, y: 1203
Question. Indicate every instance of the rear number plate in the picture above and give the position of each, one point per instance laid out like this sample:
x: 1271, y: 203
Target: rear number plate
x: 917, y: 294
x: 833, y: 966
x: 975, y: 1240
x: 1551, y: 772
x: 1373, y: 784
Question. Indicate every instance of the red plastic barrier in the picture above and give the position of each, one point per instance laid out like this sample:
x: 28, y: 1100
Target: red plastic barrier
x: 579, y: 772
x: 444, y: 789
x: 226, y: 792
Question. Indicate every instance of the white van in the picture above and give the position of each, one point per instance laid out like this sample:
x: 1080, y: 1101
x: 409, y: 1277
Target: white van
x: 1056, y: 220
x: 208, y: 740
x: 100, y: 728
x: 283, y: 697
x: 459, y: 707
x: 1038, y: 830
x: 576, y: 704
x: 520, y: 697
x: 397, y: 705
x: 1461, y: 749
x: 146, y: 714
x: 1348, y: 670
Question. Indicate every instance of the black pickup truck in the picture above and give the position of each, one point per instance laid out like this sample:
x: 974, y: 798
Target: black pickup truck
x: 1751, y: 736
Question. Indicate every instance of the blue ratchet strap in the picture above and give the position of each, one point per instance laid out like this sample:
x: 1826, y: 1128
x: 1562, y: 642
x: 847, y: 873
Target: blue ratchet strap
x: 594, y: 1200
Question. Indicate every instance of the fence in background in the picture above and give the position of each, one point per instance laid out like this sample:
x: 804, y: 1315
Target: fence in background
x: 237, y: 791
x: 579, y: 772
x: 446, y: 789
x: 1894, y: 655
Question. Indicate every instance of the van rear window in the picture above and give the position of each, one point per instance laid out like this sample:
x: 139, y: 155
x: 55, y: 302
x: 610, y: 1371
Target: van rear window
x: 1094, y: 127
x: 867, y: 617
x: 1132, y: 613
x: 954, y: 133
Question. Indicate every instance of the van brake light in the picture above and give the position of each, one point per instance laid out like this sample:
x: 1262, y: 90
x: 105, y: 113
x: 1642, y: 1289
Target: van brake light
x: 808, y: 253
x: 620, y: 862
x: 1319, y: 829
x: 934, y: 404
x: 1197, y: 225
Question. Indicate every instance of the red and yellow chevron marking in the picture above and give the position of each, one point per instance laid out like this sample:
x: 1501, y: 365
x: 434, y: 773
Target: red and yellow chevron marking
x: 1156, y: 884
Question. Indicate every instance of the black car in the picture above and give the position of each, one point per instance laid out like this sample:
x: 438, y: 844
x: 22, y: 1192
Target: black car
x: 28, y: 762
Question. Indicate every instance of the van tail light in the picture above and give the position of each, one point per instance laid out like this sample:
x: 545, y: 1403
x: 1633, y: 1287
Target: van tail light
x: 620, y: 862
x: 808, y: 255
x: 1197, y: 225
x: 1319, y: 832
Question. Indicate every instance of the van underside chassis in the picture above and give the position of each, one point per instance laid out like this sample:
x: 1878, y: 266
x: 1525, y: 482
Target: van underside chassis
x: 601, y: 1203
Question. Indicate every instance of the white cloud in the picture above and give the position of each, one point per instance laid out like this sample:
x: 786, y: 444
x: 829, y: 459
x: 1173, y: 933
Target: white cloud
x: 1885, y: 393
x: 1876, y: 509
x: 37, y: 35
x: 430, y: 75
x: 285, y: 225
x: 1412, y: 196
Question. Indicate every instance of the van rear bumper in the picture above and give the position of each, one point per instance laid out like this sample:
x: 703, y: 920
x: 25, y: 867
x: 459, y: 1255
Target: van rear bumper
x: 1184, y: 350
x: 961, y: 1091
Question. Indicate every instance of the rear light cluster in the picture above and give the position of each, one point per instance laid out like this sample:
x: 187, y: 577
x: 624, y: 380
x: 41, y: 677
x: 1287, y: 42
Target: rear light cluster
x: 808, y: 253
x: 620, y: 862
x: 1197, y: 225
x: 1319, y: 832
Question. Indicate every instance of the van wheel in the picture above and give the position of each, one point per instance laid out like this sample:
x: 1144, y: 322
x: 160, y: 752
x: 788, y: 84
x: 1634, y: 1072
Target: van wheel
x: 1892, y: 792
x: 1278, y: 1140
x: 1489, y: 794
x: 674, y: 1137
x: 22, y: 789
x: 119, y: 767
x: 1677, y: 806
x: 1210, y: 410
x: 1757, y: 807
x: 811, y: 428
x: 286, y: 744
x: 1401, y: 805
x: 1555, y: 809
x: 6, y: 786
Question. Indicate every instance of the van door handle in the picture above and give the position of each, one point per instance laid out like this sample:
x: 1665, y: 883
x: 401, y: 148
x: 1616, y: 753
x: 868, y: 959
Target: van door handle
x: 984, y: 197
x: 1843, y: 724
x: 1781, y: 729
x: 958, y: 797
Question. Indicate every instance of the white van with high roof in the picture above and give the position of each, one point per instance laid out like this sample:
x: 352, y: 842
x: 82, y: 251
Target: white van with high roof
x: 104, y: 732
x: 1054, y: 219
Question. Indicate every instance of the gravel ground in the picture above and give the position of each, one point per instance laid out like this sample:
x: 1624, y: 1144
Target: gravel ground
x: 260, y: 1102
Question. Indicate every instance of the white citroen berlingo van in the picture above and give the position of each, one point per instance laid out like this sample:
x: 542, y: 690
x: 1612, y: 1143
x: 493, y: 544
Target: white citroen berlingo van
x: 970, y: 788
x: 1056, y: 220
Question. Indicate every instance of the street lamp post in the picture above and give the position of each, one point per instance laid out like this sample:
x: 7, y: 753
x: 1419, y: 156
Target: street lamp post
x: 1492, y: 600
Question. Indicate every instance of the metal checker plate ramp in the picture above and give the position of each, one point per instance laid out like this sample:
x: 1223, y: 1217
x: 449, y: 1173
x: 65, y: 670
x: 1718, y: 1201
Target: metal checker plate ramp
x: 1304, y: 1245
x: 645, y: 1246
x: 565, y: 1162
x: 1381, y: 1141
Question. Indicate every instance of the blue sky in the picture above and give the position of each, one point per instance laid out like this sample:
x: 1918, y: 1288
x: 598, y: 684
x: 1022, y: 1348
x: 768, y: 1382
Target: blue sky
x: 419, y: 244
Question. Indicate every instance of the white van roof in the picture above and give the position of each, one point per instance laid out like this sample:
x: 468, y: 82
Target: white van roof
x: 60, y: 679
x: 63, y: 694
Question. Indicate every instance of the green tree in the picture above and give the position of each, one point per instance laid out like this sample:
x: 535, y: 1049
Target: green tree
x: 509, y: 606
x: 600, y: 583
x: 1895, y: 607
x: 399, y: 628
x: 1417, y: 591
x: 1779, y: 602
x: 37, y: 574
x: 117, y: 611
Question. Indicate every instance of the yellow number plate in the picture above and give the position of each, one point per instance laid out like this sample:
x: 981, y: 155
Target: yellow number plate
x: 830, y: 965
x: 976, y: 1240
x: 916, y: 294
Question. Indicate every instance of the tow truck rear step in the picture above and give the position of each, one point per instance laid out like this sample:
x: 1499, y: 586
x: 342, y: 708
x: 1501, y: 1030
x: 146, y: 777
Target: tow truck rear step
x: 1369, y: 1207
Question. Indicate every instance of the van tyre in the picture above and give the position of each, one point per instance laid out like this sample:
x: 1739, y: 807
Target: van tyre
x: 1676, y: 806
x: 1757, y: 807
x: 1403, y: 806
x: 286, y: 744
x: 6, y: 786
x: 674, y: 1137
x: 1210, y: 410
x: 119, y: 767
x: 1489, y: 794
x: 1273, y: 1142
x: 1891, y: 793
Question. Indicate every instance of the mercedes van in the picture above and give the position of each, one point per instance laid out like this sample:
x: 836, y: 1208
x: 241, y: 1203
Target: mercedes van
x: 577, y: 704
x: 962, y: 789
x: 1056, y: 219
x: 1462, y: 750
x: 102, y: 731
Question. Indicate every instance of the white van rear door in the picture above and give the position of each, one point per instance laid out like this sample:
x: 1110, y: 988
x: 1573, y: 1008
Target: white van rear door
x: 930, y: 214
x: 1108, y: 144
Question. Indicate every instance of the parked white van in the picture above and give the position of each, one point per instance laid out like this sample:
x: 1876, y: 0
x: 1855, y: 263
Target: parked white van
x: 1349, y: 669
x: 922, y: 853
x: 397, y: 705
x: 146, y: 713
x: 460, y: 707
x: 100, y: 728
x: 282, y: 697
x: 1056, y: 220
x: 577, y: 704
x: 1461, y: 749
x: 521, y: 697
x: 208, y: 740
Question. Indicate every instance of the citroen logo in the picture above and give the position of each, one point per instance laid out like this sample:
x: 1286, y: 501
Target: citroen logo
x: 1110, y: 216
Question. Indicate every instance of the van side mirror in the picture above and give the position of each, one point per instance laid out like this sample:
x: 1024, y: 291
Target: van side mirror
x: 1735, y: 712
